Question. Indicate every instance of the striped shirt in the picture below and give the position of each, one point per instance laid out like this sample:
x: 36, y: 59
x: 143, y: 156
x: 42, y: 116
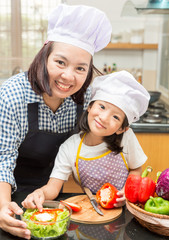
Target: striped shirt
x: 15, y: 95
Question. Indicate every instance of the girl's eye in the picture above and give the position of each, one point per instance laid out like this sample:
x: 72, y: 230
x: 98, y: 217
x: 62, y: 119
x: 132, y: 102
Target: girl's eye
x: 102, y: 107
x: 116, y: 117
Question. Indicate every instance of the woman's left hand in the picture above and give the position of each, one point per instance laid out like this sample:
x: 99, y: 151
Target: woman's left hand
x: 121, y: 200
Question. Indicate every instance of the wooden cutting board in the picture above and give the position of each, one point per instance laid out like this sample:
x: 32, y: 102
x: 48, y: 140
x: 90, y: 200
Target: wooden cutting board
x: 88, y: 215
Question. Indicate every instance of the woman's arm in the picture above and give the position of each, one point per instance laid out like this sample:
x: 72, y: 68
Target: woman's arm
x: 7, y: 211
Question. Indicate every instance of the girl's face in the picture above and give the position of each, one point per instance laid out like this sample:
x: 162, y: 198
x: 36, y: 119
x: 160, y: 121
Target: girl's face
x: 105, y: 119
x: 67, y: 67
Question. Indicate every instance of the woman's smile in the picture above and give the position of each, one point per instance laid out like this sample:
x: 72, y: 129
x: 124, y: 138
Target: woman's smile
x: 63, y: 86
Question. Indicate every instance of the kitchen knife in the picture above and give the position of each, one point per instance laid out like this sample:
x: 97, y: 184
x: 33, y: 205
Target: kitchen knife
x: 92, y: 200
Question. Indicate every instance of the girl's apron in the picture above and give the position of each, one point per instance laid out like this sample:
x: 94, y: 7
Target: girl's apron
x: 37, y: 152
x: 108, y: 167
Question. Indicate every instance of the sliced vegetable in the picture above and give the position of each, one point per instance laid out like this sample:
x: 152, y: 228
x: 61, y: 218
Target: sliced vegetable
x: 46, y: 217
x: 139, y: 188
x: 157, y: 205
x: 42, y: 229
x: 107, y: 196
x: 162, y: 186
x: 75, y: 207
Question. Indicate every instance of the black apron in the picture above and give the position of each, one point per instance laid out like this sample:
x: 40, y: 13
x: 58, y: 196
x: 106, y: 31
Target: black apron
x: 37, y: 152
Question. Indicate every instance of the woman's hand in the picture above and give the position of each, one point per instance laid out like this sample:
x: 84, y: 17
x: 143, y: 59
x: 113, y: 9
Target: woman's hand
x: 9, y: 224
x: 121, y: 200
x: 34, y: 200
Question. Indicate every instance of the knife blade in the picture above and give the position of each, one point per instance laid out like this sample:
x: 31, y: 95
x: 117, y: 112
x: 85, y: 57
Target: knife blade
x: 93, y: 200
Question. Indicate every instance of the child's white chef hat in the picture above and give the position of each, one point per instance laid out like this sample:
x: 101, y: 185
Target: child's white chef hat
x: 122, y: 90
x: 82, y: 26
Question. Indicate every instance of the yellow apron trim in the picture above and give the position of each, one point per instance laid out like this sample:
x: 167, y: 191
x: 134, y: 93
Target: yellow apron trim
x: 87, y: 159
x: 94, y: 158
x: 77, y: 234
x: 77, y: 156
x: 124, y: 160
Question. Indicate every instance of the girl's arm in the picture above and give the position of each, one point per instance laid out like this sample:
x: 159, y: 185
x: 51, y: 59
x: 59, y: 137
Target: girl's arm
x: 137, y: 171
x: 48, y: 192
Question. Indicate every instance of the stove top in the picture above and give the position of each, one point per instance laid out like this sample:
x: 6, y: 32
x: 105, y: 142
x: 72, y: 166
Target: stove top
x: 156, y: 119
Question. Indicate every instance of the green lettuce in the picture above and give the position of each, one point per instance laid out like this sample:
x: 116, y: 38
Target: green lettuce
x: 54, y: 230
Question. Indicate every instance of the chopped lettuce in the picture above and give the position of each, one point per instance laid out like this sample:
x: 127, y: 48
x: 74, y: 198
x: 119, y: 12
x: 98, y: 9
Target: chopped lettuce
x: 54, y: 230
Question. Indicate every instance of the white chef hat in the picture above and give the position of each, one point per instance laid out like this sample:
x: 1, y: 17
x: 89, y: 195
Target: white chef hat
x: 122, y: 90
x: 82, y: 26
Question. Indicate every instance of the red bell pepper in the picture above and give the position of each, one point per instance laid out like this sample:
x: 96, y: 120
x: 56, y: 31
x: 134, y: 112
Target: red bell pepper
x: 75, y: 207
x: 52, y: 212
x: 107, y: 196
x: 140, y: 188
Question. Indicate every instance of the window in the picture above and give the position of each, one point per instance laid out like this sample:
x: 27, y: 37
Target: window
x: 23, y: 29
x: 164, y: 57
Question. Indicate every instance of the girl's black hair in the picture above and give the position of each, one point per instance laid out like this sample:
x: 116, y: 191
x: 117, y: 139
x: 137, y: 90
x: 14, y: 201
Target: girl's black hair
x: 113, y: 141
x: 39, y: 77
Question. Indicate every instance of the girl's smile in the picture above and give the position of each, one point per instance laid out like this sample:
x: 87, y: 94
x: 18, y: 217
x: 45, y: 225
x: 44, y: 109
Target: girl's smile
x: 99, y: 125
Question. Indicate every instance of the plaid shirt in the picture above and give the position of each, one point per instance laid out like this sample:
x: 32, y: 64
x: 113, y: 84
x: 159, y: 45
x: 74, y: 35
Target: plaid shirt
x: 15, y: 95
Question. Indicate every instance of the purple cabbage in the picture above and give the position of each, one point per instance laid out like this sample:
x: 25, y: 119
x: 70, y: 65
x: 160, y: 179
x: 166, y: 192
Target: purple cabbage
x: 162, y: 186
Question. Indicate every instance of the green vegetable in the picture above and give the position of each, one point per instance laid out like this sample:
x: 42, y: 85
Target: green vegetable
x: 157, y: 205
x: 54, y: 230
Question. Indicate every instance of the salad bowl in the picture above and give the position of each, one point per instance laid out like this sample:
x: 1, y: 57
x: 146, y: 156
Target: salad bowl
x: 49, y: 224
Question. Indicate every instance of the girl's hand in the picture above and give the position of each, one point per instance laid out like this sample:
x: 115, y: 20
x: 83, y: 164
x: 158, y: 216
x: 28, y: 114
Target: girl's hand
x: 121, y: 200
x: 34, y: 200
x: 10, y: 224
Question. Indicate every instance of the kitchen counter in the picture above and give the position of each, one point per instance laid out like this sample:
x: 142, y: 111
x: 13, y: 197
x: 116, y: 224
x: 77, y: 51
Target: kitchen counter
x: 123, y: 228
x: 155, y: 129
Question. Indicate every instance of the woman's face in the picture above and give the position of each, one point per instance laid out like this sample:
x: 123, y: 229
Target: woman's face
x: 105, y: 119
x: 68, y: 68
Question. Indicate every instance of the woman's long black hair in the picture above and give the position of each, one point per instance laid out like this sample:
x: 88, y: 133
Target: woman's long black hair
x: 113, y: 141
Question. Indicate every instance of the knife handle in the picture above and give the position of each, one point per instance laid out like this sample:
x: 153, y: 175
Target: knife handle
x: 88, y: 192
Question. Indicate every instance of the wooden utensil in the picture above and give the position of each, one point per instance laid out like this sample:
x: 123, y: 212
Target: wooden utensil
x: 88, y: 215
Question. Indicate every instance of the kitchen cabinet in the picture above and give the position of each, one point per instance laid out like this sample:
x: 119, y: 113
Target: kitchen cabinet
x: 156, y: 147
x: 130, y: 46
x: 71, y: 186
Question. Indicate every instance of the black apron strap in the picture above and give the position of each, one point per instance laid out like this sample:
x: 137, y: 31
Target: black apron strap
x: 33, y: 116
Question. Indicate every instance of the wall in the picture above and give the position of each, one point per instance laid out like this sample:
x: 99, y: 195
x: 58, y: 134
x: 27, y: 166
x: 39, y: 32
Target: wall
x: 146, y: 60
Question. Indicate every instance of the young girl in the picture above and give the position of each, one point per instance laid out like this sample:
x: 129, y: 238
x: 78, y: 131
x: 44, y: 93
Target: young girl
x: 99, y: 153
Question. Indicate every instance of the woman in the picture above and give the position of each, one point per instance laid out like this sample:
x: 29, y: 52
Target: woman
x: 40, y: 110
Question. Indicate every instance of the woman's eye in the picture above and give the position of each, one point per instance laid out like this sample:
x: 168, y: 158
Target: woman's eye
x: 81, y: 69
x: 60, y: 62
